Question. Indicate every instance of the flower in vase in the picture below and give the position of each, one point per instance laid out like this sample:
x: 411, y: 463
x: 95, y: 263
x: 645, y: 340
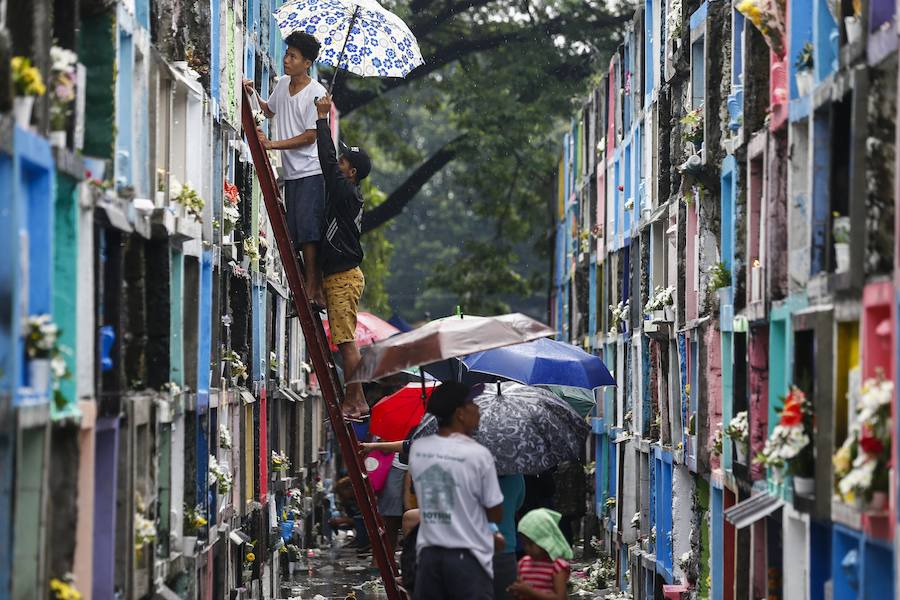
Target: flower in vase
x: 791, y: 415
x: 144, y: 531
x: 738, y: 428
x: 231, y: 216
x: 26, y: 78
x: 42, y: 336
x: 869, y: 443
x: 280, y: 461
x: 64, y: 589
x: 231, y: 193
x: 224, y: 438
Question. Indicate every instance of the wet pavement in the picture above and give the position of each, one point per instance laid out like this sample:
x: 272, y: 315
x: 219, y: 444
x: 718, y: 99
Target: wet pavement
x: 336, y: 574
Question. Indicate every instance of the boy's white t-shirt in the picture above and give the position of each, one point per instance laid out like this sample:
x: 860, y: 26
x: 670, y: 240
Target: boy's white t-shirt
x: 455, y: 479
x: 295, y: 115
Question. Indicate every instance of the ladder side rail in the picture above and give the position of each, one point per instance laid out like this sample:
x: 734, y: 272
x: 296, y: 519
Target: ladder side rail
x: 332, y: 391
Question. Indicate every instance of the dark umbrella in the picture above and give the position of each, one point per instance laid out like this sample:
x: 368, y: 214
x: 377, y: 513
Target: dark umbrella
x: 445, y: 338
x: 527, y: 429
x: 542, y: 362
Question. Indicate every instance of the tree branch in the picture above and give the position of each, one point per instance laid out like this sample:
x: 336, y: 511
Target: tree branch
x: 348, y: 100
x: 400, y: 197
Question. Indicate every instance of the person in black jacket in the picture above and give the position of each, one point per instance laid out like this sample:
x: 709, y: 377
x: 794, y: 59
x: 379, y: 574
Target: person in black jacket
x: 341, y: 252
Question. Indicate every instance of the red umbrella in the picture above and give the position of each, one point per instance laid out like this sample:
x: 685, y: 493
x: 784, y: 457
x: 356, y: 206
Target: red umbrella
x: 369, y: 329
x: 395, y: 415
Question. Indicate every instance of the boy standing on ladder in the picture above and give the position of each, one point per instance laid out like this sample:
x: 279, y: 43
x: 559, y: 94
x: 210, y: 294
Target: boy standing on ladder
x: 291, y: 104
x: 341, y: 251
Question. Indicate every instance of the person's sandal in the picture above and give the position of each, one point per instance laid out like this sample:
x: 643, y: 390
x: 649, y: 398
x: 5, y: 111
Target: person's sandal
x: 356, y: 417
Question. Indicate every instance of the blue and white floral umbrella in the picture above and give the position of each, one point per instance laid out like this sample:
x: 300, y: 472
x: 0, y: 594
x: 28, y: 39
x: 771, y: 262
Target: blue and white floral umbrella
x: 359, y: 36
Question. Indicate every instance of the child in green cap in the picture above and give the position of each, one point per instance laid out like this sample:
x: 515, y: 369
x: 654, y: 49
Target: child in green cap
x: 544, y: 570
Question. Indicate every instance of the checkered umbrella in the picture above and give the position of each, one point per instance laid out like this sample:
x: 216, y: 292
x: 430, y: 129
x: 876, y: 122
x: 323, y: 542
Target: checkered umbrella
x: 359, y: 36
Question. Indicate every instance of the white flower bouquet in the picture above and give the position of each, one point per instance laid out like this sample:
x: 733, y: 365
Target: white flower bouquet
x: 738, y: 427
x: 220, y: 474
x: 862, y: 463
x: 42, y: 337
x: 619, y: 314
x: 144, y: 531
x: 224, y: 437
x: 661, y: 298
x: 280, y: 461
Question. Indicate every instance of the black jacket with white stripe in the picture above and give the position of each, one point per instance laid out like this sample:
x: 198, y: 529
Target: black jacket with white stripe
x: 341, y: 249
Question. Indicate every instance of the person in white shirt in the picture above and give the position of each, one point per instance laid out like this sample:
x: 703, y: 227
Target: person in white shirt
x: 292, y: 106
x: 455, y: 481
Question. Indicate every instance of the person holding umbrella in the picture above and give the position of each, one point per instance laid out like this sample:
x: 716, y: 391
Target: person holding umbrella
x: 291, y: 104
x: 458, y: 494
x: 341, y: 251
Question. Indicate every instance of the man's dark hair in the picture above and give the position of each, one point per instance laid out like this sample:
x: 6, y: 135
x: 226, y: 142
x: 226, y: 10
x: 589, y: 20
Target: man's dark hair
x: 445, y: 399
x: 305, y: 43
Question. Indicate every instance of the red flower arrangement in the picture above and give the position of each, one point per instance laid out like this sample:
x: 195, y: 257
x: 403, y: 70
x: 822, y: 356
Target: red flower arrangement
x: 869, y: 442
x: 231, y: 193
x: 792, y: 413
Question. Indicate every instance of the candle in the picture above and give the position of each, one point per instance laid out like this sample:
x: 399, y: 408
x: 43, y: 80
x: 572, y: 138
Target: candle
x: 755, y: 281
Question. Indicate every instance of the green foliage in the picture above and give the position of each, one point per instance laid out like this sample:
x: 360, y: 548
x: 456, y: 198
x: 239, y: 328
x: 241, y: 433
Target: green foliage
x: 692, y: 123
x: 376, y: 262
x: 478, y: 233
x: 719, y: 277
x: 482, y: 277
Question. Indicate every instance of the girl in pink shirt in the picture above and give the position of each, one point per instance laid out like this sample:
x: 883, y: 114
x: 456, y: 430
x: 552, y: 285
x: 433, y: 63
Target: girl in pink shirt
x: 544, y: 571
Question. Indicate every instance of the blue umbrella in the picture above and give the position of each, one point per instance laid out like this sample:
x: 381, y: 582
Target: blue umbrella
x: 400, y: 323
x: 542, y: 362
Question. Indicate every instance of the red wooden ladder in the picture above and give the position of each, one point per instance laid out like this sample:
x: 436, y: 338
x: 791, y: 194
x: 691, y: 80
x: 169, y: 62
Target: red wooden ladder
x: 320, y: 354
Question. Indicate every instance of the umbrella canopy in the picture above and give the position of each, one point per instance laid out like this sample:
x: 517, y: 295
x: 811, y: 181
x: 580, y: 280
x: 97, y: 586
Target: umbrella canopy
x: 543, y: 361
x: 395, y: 415
x: 400, y: 323
x: 359, y: 36
x: 580, y: 399
x: 369, y: 329
x: 527, y: 429
x: 445, y: 338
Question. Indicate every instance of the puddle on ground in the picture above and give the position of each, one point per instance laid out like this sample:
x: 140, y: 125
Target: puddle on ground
x: 336, y: 575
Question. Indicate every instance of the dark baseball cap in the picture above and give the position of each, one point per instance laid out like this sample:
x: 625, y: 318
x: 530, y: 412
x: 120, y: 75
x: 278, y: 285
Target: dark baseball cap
x: 359, y: 159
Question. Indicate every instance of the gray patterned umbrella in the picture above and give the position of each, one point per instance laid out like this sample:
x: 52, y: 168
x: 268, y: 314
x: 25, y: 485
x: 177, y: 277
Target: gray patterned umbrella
x: 527, y: 429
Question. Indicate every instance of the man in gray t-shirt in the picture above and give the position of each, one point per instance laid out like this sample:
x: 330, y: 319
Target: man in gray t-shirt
x: 456, y: 487
x: 292, y: 106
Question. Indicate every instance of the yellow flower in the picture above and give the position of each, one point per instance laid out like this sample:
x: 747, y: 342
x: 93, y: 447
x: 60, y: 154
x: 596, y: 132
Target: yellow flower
x: 841, y: 461
x: 250, y: 557
x: 26, y: 77
x: 750, y: 9
x: 64, y: 591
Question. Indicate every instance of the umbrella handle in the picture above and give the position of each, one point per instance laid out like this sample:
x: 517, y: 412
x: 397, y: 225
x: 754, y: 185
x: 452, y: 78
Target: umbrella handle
x: 343, y: 48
